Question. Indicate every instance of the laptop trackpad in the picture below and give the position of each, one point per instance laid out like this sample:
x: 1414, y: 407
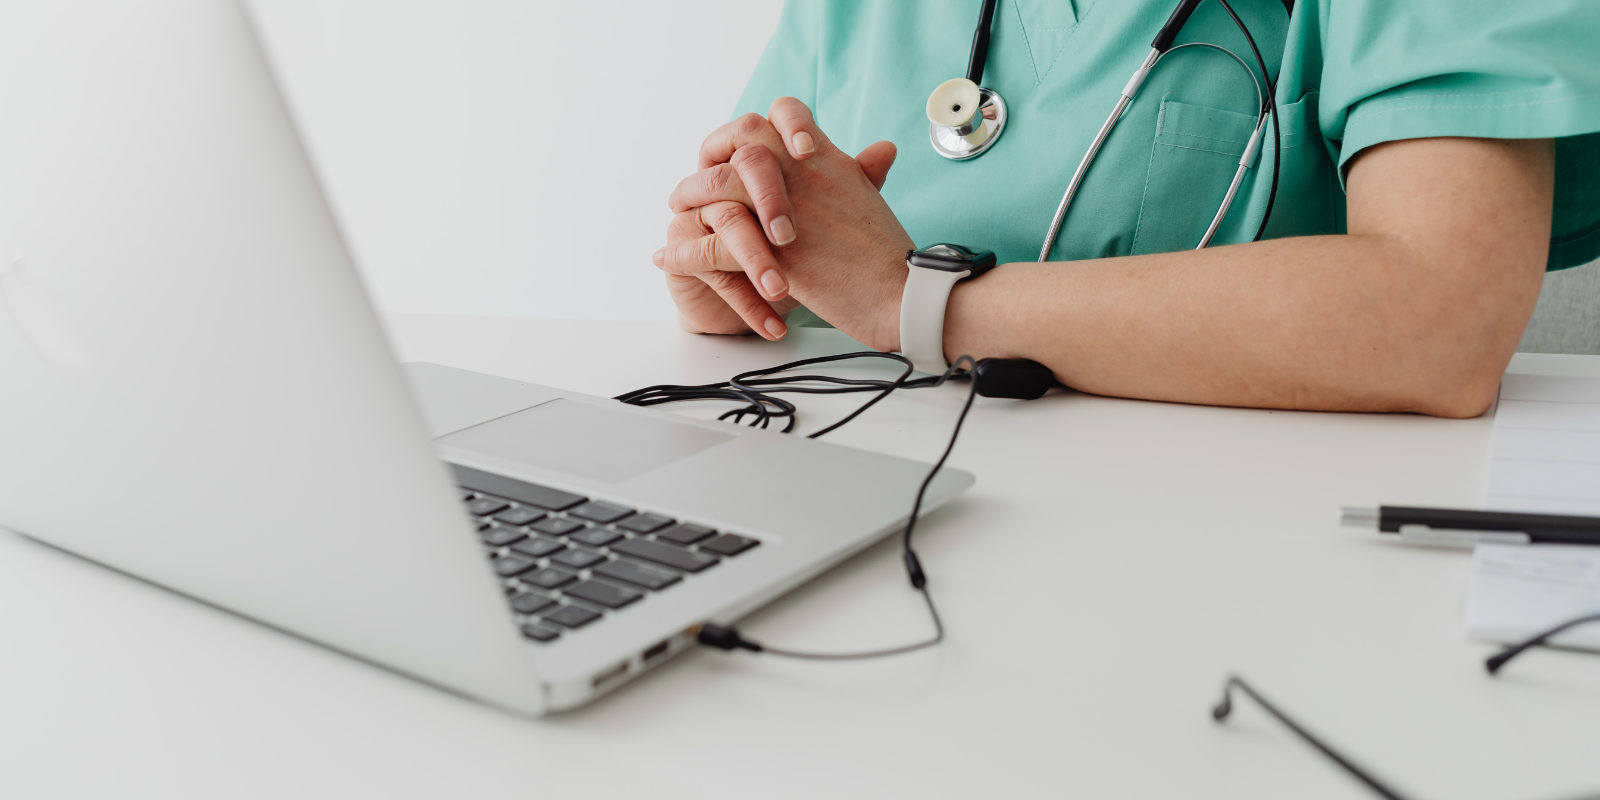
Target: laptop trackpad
x: 594, y: 442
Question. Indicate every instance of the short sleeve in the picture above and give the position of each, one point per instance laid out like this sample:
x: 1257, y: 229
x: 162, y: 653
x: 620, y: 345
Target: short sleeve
x: 788, y: 67
x: 1486, y: 68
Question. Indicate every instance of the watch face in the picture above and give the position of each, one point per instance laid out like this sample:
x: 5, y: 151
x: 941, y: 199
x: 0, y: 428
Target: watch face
x: 952, y: 252
x: 952, y: 258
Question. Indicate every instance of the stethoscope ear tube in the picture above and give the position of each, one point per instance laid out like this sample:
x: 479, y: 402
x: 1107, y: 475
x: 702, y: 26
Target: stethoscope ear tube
x: 1169, y: 32
x: 1245, y: 162
x: 1128, y: 93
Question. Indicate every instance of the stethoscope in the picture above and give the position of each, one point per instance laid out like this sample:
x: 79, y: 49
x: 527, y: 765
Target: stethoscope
x: 965, y: 119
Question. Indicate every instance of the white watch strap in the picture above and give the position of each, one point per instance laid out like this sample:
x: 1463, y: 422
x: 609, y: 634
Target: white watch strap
x: 922, y: 307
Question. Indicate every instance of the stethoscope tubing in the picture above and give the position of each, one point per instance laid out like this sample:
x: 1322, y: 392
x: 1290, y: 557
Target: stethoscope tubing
x: 1245, y: 162
x: 1128, y: 93
x: 1094, y: 149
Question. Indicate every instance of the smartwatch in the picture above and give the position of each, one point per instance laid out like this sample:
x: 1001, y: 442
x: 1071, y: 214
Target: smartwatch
x: 931, y: 273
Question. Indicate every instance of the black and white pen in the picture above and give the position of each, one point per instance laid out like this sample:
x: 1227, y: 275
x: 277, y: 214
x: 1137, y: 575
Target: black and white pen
x: 1463, y: 528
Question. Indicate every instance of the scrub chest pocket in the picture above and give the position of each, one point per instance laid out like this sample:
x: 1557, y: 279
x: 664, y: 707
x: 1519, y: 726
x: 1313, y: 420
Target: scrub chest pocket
x: 1193, y: 156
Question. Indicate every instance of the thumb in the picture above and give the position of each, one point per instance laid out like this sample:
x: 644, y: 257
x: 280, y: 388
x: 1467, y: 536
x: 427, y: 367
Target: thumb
x: 875, y: 161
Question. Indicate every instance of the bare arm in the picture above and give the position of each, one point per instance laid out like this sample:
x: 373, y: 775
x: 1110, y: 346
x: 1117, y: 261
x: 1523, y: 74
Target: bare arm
x: 1418, y: 308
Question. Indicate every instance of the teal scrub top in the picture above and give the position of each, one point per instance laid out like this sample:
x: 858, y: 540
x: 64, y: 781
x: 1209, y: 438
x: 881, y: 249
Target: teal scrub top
x: 1354, y: 73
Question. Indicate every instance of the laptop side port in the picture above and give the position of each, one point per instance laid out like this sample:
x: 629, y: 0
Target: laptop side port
x: 609, y: 675
x: 659, y: 649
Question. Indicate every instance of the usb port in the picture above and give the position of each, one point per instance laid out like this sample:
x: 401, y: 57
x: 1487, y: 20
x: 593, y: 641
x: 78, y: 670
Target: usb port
x: 657, y: 650
x: 610, y: 675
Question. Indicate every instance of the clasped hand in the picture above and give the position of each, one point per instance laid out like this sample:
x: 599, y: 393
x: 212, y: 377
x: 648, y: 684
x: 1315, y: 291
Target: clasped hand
x: 776, y: 215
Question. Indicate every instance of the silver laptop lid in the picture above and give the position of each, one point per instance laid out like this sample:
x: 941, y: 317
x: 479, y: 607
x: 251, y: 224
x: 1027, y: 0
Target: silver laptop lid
x: 193, y: 388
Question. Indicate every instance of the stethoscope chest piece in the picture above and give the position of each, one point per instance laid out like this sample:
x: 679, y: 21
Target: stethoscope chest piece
x: 964, y: 119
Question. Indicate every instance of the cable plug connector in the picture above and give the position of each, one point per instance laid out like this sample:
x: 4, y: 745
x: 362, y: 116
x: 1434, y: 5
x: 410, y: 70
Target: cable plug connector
x: 919, y: 579
x: 725, y: 638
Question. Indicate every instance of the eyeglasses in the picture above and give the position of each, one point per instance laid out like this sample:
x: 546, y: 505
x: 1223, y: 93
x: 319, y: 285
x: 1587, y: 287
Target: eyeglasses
x: 1224, y: 707
x: 1499, y: 660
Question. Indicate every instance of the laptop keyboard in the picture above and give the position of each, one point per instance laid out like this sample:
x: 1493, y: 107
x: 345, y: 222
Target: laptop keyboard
x: 568, y: 561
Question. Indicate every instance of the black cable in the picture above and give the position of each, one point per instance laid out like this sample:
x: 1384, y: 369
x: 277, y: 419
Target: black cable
x: 728, y: 638
x: 913, y: 566
x: 757, y: 404
x: 755, y: 388
x: 1272, y: 108
x: 744, y: 380
x: 757, y: 392
x: 1224, y: 707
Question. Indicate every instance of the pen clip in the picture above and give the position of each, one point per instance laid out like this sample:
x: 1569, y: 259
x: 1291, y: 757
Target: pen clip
x: 1456, y: 537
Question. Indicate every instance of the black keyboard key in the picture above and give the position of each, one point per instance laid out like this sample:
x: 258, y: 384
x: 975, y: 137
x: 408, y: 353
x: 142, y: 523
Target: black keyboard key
x: 500, y: 537
x: 484, y: 506
x: 684, y: 533
x: 644, y: 523
x: 520, y: 491
x: 572, y: 617
x: 729, y: 545
x: 512, y: 565
x: 518, y: 516
x: 557, y: 526
x: 578, y: 559
x: 540, y: 633
x: 664, y: 554
x: 602, y: 594
x: 538, y: 547
x: 600, y: 511
x: 531, y: 603
x: 638, y: 574
x: 548, y: 578
x: 466, y: 495
x: 596, y: 537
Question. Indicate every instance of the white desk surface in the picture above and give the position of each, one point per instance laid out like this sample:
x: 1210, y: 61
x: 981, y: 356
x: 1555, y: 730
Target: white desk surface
x: 1114, y: 562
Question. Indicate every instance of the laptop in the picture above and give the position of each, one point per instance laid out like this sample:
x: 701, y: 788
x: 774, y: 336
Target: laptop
x: 195, y: 390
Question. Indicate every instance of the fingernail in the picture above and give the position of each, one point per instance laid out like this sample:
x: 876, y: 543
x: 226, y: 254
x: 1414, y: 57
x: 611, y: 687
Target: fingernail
x: 773, y: 283
x: 803, y: 143
x: 660, y: 257
x: 783, y: 230
x: 776, y: 327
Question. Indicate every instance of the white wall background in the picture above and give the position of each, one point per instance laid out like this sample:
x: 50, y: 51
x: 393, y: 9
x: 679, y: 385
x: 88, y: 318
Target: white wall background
x: 511, y: 157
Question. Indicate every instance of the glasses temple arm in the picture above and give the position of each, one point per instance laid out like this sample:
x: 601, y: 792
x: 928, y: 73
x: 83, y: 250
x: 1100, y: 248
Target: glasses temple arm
x: 1495, y: 662
x: 1224, y: 707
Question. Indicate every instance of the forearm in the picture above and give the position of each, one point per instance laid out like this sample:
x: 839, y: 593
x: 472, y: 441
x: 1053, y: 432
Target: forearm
x: 1352, y: 323
x: 1417, y: 309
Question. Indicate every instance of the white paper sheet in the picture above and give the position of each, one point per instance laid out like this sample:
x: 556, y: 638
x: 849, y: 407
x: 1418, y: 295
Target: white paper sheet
x: 1521, y: 590
x: 1545, y: 456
